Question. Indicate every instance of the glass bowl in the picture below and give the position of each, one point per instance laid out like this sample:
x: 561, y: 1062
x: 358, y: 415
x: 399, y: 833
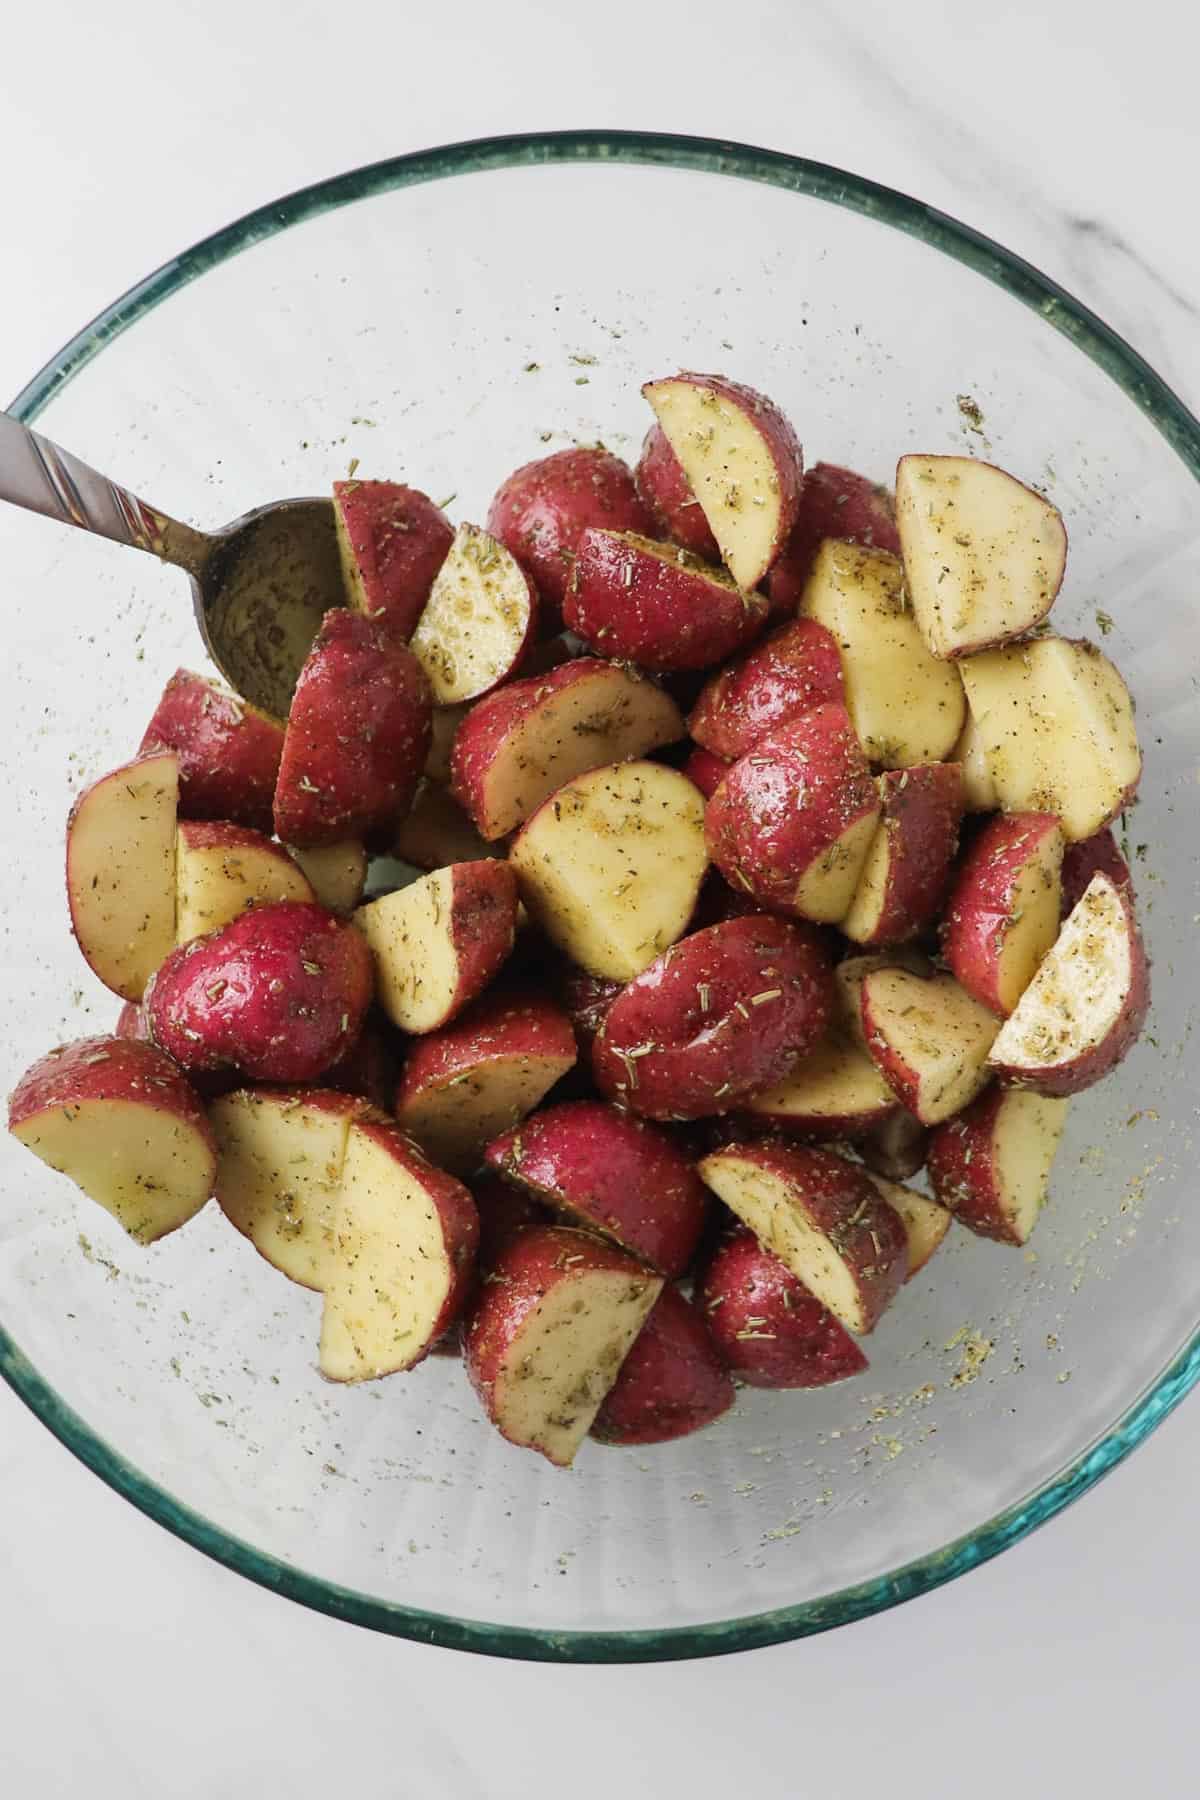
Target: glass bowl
x: 442, y: 318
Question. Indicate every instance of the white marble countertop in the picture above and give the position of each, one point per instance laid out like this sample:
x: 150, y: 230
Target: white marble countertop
x: 128, y: 1663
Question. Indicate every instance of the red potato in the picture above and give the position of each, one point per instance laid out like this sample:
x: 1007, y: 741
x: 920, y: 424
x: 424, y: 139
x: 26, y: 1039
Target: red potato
x: 611, y: 1173
x: 929, y: 1039
x: 228, y: 751
x: 1056, y: 723
x: 439, y: 942
x: 824, y: 1219
x: 485, y: 1071
x: 518, y: 745
x: 392, y: 540
x: 724, y: 1013
x: 369, y: 1068
x: 835, y: 1091
x: 133, y: 1025
x: 656, y: 604
x: 924, y: 1220
x: 801, y: 858
x: 990, y: 1164
x: 337, y: 873
x: 671, y: 1383
x: 794, y: 670
x: 970, y: 752
x: 705, y: 770
x: 770, y: 1330
x: 1004, y: 908
x: 667, y: 494
x: 503, y: 1212
x: 984, y: 555
x: 479, y: 621
x: 280, y: 994
x: 222, y: 870
x: 121, y: 871
x: 357, y: 735
x: 116, y: 1116
x: 610, y: 865
x: 279, y: 1169
x: 834, y: 503
x: 907, y: 870
x: 852, y: 971
x: 403, y: 1257
x: 742, y: 460
x: 906, y: 706
x: 550, y: 1332
x: 584, y: 998
x: 437, y: 832
x: 1097, y: 855
x: 897, y: 1148
x: 1086, y: 1006
x: 542, y: 509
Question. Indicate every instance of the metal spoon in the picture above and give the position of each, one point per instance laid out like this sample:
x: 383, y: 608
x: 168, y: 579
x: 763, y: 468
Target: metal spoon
x: 260, y: 585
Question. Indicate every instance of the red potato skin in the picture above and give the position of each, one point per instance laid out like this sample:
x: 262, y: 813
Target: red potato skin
x: 707, y: 1058
x: 962, y: 1167
x: 667, y: 494
x: 979, y: 909
x: 794, y: 670
x: 655, y: 606
x: 368, y: 1069
x: 705, y: 770
x: 922, y: 814
x: 585, y: 999
x: 896, y: 1148
x: 502, y: 1211
x: 1097, y: 855
x: 357, y: 737
x: 228, y: 751
x: 247, y: 996
x: 107, y: 1068
x: 840, y: 1200
x: 757, y: 836
x: 834, y: 503
x: 541, y: 510
x: 505, y: 1025
x: 482, y: 734
x: 770, y: 1330
x: 399, y: 539
x: 532, y: 1262
x: 672, y: 1382
x: 134, y: 1026
x: 1074, y: 1075
x: 614, y: 1174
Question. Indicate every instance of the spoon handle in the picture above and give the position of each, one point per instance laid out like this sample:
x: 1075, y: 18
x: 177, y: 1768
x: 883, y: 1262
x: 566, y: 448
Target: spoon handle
x: 41, y: 477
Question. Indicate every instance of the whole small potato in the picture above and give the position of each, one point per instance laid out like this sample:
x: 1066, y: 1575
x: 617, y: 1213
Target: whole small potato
x: 281, y: 994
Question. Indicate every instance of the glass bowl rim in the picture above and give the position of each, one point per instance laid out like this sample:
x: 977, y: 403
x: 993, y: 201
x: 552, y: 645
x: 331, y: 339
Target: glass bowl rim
x: 1181, y: 431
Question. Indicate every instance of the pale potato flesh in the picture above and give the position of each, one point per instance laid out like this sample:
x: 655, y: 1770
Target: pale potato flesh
x: 827, y: 887
x: 835, y: 1081
x: 767, y: 1204
x: 149, y: 1168
x: 417, y: 967
x: 611, y: 714
x: 611, y: 867
x: 121, y: 873
x: 861, y: 922
x: 454, y: 1120
x: 935, y: 1029
x: 1080, y: 990
x: 731, y: 467
x: 215, y: 885
x: 389, y: 1274
x: 1056, y: 722
x: 906, y: 706
x: 565, y: 1357
x: 970, y: 752
x: 335, y: 872
x: 1036, y: 903
x: 983, y: 553
x: 1023, y: 1148
x: 278, y: 1168
x: 475, y: 619
x: 925, y: 1222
